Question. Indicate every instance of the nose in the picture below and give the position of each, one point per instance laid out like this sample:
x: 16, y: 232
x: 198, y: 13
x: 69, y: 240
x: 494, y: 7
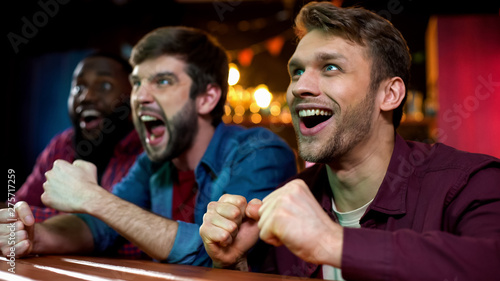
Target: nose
x: 306, y: 85
x: 142, y: 95
x: 88, y: 95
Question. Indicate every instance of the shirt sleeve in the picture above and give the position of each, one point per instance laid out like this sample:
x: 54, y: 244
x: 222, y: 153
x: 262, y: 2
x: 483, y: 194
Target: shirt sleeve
x: 470, y: 251
x: 187, y: 246
x: 134, y: 189
x: 253, y: 171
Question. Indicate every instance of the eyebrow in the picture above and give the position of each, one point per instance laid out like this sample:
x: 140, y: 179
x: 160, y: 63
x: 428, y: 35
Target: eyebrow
x: 329, y: 56
x: 99, y: 73
x: 319, y: 57
x: 156, y: 76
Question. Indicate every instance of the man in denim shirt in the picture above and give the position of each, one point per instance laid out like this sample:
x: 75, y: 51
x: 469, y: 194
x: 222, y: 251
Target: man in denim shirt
x: 191, y: 158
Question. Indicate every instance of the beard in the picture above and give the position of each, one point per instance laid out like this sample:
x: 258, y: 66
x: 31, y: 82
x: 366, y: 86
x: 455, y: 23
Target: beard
x: 99, y: 149
x: 182, y: 129
x: 350, y: 131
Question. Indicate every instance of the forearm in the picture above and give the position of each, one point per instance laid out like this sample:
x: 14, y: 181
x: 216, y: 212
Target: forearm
x: 153, y: 234
x: 63, y: 234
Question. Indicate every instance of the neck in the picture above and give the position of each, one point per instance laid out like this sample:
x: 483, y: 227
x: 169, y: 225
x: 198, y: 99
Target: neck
x: 357, y: 176
x: 190, y: 159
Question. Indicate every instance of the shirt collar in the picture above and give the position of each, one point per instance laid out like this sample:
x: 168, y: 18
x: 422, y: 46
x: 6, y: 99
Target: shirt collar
x: 211, y: 159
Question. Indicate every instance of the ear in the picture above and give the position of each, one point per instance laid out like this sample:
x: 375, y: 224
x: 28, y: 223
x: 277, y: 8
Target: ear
x: 207, y: 101
x: 394, y: 92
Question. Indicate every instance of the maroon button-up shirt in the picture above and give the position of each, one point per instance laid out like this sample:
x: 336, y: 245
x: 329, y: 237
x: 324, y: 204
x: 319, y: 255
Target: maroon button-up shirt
x: 436, y: 216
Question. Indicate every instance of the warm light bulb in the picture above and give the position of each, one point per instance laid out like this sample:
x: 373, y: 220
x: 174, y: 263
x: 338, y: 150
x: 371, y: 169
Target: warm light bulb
x: 234, y: 74
x: 262, y: 96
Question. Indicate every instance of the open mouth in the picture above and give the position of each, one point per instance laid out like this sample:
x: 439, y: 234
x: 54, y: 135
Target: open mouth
x: 90, y: 119
x: 313, y: 117
x: 155, y: 128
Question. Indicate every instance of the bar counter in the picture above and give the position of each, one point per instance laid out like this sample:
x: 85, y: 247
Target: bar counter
x: 52, y: 268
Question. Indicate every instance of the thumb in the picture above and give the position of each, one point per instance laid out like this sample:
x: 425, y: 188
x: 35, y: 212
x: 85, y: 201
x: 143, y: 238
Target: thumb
x: 252, y: 209
x: 24, y: 213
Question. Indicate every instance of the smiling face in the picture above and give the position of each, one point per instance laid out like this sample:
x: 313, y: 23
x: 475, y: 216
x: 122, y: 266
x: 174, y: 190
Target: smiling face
x: 164, y: 115
x: 329, y: 96
x: 99, y: 93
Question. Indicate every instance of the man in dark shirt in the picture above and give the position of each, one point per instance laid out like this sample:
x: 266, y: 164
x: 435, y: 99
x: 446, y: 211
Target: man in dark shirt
x: 375, y: 207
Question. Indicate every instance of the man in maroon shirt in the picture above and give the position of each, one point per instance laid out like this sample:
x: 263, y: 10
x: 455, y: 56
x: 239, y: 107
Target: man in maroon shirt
x: 376, y: 207
x: 102, y: 131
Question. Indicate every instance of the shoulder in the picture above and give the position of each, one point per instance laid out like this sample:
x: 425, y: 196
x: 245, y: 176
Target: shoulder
x: 63, y: 138
x: 449, y: 171
x: 231, y: 138
x: 255, y: 135
x: 130, y: 144
x: 61, y: 146
x: 443, y: 157
x: 232, y: 145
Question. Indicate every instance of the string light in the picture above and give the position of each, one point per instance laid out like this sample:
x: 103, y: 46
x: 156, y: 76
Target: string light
x: 234, y: 74
x: 262, y: 96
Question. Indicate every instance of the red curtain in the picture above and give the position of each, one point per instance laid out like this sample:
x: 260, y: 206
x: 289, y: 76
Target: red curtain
x: 468, y: 84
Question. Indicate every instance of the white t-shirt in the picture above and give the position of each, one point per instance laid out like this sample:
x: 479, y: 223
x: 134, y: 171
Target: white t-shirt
x: 346, y: 219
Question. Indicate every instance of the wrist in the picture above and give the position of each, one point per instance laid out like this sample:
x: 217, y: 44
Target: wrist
x: 331, y: 247
x: 98, y: 201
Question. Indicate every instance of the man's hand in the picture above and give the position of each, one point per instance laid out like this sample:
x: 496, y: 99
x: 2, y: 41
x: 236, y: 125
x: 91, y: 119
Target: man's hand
x: 71, y: 187
x: 291, y: 216
x: 16, y: 230
x: 229, y: 230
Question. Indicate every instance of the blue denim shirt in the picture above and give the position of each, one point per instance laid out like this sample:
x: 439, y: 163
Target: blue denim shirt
x: 248, y: 162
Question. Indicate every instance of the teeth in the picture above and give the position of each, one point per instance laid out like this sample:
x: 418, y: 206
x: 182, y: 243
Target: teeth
x: 312, y: 112
x: 90, y: 112
x: 148, y: 118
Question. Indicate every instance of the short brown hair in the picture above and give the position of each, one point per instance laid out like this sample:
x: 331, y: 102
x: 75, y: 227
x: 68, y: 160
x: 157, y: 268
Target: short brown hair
x: 386, y: 46
x: 206, y: 59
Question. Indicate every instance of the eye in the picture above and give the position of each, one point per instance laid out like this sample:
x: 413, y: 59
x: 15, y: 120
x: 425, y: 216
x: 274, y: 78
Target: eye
x: 135, y: 83
x: 299, y: 72
x: 163, y: 81
x: 331, y: 67
x: 77, y: 89
x: 105, y: 86
x: 296, y: 73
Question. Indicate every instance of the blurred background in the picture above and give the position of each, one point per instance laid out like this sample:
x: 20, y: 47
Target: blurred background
x: 454, y: 92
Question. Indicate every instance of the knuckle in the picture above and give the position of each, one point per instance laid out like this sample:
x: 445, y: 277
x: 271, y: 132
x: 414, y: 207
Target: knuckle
x: 45, y: 199
x: 224, y: 197
x: 232, y: 227
x: 202, y: 230
x: 212, y: 205
x: 223, y: 236
x: 240, y: 200
x: 235, y: 213
x: 19, y: 225
x: 19, y: 205
x: 21, y: 235
x: 206, y: 219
